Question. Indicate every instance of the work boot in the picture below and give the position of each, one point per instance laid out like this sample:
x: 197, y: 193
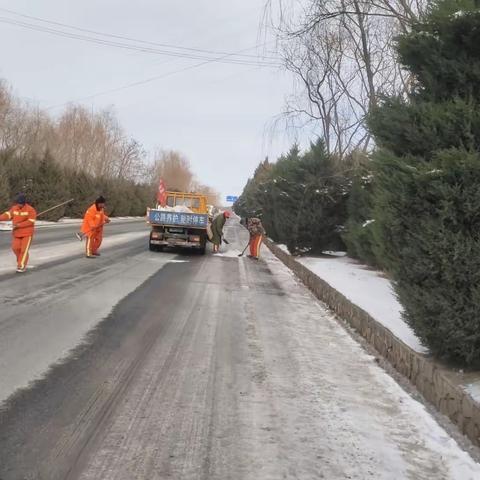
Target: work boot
x: 90, y: 256
x: 21, y: 270
x: 96, y: 254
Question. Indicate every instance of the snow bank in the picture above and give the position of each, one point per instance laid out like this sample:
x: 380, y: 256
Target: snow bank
x: 369, y: 290
x: 474, y: 390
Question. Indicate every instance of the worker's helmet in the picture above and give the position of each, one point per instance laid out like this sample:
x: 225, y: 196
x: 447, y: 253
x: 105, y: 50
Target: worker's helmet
x: 21, y: 199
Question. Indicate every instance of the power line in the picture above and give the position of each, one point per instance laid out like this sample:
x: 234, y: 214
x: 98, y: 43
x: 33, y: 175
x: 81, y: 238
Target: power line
x: 151, y: 79
x: 124, y: 37
x: 224, y: 57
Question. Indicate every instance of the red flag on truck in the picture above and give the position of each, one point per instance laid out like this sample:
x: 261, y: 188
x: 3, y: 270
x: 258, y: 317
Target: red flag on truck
x: 162, y: 193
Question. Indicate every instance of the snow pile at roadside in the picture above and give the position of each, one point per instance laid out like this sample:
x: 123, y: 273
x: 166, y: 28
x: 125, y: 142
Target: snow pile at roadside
x: 368, y: 409
x: 369, y: 290
x: 474, y: 390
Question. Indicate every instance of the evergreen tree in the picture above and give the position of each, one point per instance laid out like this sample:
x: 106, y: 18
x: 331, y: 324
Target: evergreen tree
x: 46, y: 187
x: 359, y: 233
x: 427, y: 197
x: 301, y: 199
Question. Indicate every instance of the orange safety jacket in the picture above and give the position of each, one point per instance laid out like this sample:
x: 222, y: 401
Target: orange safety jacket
x: 23, y: 219
x: 94, y: 220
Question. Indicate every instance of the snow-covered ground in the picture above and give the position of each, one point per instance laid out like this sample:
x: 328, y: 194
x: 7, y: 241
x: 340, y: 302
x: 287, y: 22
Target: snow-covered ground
x: 41, y: 254
x: 374, y: 293
x: 7, y: 226
x: 41, y: 330
x: 368, y: 411
x: 368, y: 289
x: 473, y: 388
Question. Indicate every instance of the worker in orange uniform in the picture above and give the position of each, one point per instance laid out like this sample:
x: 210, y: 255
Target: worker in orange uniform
x: 92, y: 228
x: 23, y: 218
x: 257, y: 232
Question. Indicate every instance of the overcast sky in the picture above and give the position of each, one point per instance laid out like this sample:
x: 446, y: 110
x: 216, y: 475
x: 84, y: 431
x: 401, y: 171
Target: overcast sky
x: 216, y: 114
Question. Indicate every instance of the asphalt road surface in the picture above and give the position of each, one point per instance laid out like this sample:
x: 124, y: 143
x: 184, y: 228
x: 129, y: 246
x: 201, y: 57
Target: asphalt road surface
x: 146, y: 366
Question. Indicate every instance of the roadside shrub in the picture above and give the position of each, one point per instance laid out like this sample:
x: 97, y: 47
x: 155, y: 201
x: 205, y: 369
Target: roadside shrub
x: 427, y: 178
x: 301, y: 199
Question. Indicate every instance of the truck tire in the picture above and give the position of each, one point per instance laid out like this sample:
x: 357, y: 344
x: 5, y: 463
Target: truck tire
x: 203, y: 245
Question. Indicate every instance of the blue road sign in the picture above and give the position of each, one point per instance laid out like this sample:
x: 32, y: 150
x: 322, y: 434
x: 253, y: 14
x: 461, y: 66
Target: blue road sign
x: 232, y: 198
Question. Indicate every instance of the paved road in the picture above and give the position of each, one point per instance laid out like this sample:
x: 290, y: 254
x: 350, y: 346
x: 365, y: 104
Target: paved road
x: 199, y: 368
x: 65, y: 232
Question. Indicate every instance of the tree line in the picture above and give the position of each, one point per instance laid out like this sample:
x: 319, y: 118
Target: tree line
x: 80, y: 155
x: 411, y: 204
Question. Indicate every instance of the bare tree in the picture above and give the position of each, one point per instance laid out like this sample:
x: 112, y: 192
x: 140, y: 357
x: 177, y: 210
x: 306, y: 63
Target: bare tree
x: 343, y: 58
x: 82, y: 140
x: 174, y: 169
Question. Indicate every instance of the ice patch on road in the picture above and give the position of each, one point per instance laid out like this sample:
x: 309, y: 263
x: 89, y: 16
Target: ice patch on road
x: 230, y: 253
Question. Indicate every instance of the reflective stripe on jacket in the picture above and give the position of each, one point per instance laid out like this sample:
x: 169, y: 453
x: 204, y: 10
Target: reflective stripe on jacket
x: 23, y: 220
x: 94, y: 220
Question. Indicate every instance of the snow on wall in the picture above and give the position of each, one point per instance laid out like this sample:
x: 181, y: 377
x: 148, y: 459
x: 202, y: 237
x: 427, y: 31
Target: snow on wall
x: 369, y: 290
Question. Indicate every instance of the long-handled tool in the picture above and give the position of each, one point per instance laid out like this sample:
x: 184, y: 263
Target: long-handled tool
x: 244, y: 250
x: 81, y: 235
x: 53, y: 208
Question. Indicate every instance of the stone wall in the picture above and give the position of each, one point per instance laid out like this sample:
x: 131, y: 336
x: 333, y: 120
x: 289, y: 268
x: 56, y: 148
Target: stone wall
x: 438, y: 384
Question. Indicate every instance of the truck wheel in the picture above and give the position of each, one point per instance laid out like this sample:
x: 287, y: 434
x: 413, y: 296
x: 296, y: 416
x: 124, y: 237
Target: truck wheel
x: 152, y: 248
x: 203, y: 250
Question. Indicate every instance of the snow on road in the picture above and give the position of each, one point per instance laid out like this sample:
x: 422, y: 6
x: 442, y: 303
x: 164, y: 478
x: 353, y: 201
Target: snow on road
x: 383, y: 431
x: 38, y: 330
x: 368, y: 289
x: 41, y: 254
x: 254, y: 379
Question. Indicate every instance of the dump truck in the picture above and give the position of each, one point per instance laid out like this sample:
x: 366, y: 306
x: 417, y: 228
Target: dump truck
x: 182, y: 222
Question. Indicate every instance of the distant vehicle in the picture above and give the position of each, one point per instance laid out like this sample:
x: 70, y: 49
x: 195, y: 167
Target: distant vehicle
x: 182, y: 222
